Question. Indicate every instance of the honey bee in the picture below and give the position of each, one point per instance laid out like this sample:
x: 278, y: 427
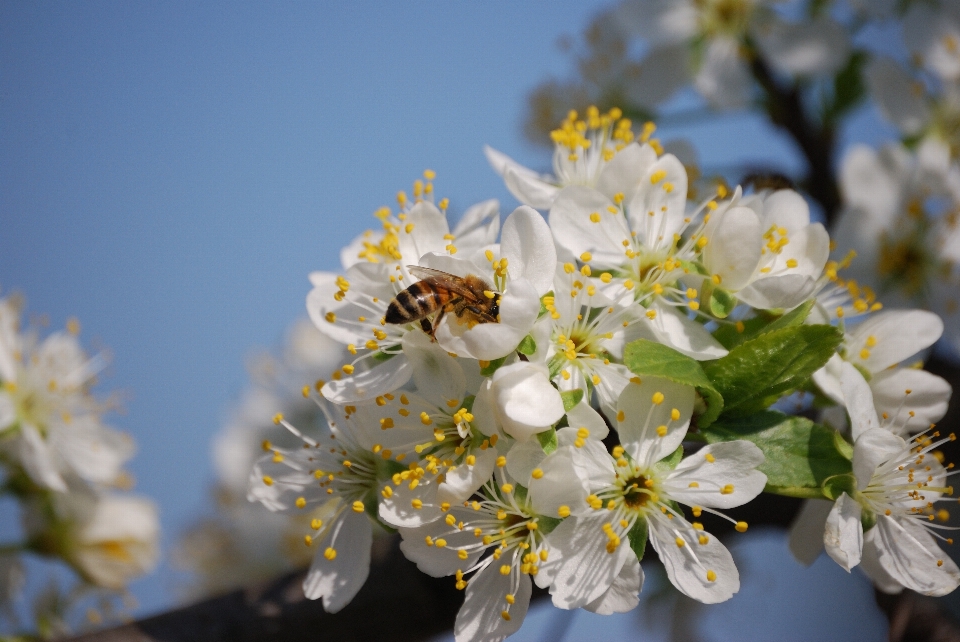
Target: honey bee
x: 438, y: 293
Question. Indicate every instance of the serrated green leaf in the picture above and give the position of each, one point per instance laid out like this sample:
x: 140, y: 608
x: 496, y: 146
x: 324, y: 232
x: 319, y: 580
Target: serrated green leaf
x: 648, y: 358
x: 730, y: 337
x: 638, y: 537
x: 754, y: 374
x: 527, y: 346
x: 721, y: 303
x: 492, y: 367
x: 548, y: 440
x: 571, y: 398
x: 670, y: 462
x: 799, y: 454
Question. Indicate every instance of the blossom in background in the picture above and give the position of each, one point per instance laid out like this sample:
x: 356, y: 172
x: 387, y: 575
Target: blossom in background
x: 706, y: 43
x: 240, y: 542
x: 904, y: 229
x: 109, y: 539
x: 50, y: 423
x: 883, y: 521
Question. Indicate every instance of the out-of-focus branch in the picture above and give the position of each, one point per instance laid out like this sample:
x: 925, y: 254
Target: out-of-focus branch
x: 398, y: 602
x: 785, y: 108
x: 914, y: 618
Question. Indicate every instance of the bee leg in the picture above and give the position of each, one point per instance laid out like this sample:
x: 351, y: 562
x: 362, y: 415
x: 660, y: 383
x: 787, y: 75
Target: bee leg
x: 426, y: 326
x: 487, y: 317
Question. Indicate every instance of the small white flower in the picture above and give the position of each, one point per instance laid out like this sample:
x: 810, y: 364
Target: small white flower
x: 520, y: 271
x: 519, y: 400
x: 498, y: 592
x: 340, y: 475
x: 597, y: 152
x: 898, y: 484
x: 589, y: 549
x: 351, y: 309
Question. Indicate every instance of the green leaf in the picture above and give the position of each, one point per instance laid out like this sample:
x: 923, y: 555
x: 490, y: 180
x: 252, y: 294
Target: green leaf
x: 730, y: 337
x: 799, y: 454
x: 670, y: 462
x: 571, y: 398
x: 755, y: 374
x: 638, y: 537
x: 492, y: 367
x: 527, y: 346
x: 548, y: 440
x: 721, y: 303
x: 648, y: 358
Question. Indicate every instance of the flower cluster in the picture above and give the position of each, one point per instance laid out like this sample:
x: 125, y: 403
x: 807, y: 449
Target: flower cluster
x: 64, y: 465
x: 539, y: 409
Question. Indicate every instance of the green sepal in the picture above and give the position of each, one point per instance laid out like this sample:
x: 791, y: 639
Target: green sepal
x: 546, y: 524
x: 837, y: 485
x: 671, y: 461
x: 548, y: 440
x: 556, y: 364
x: 492, y: 367
x: 519, y: 493
x: 763, y: 323
x: 382, y: 356
x: 638, y: 537
x: 756, y: 373
x: 648, y: 358
x: 571, y: 398
x: 527, y: 346
x: 468, y: 402
x: 721, y: 303
x: 843, y: 446
x: 868, y: 519
x: 799, y: 455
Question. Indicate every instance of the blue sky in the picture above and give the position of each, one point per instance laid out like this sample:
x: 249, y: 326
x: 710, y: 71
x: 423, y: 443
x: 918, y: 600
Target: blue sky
x: 171, y: 172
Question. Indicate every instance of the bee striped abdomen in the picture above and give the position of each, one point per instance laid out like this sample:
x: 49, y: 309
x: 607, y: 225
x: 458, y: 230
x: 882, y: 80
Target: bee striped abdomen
x: 414, y: 303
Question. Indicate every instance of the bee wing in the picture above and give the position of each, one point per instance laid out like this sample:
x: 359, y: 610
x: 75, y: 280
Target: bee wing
x: 443, y: 279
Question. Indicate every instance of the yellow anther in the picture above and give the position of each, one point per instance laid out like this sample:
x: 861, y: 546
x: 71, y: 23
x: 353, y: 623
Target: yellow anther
x: 727, y: 489
x: 661, y: 431
x: 330, y: 554
x: 586, y: 257
x: 268, y: 480
x: 301, y: 502
x: 680, y: 542
x: 711, y: 576
x: 277, y: 418
x: 709, y: 457
x: 536, y: 473
x: 657, y: 398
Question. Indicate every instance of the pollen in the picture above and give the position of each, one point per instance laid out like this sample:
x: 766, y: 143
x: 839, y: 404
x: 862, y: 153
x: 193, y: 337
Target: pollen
x: 710, y: 458
x: 537, y: 473
x: 563, y: 511
x: 741, y: 527
x: 657, y: 398
x: 301, y: 502
x: 711, y: 576
x: 357, y: 506
x: 330, y: 553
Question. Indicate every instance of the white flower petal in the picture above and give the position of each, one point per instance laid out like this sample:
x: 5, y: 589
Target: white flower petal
x: 479, y: 225
x: 624, y: 594
x: 382, y: 378
x: 585, y: 569
x: 37, y: 460
x: 559, y: 485
x: 870, y: 564
x: 438, y: 376
x: 688, y: 566
x: 577, y: 233
x: 526, y: 402
x: 643, y: 420
x: 858, y: 398
x: 928, y: 399
x: 843, y: 534
x: 723, y: 78
x: 909, y: 554
x: 480, y: 619
x: 893, y: 89
x: 464, y: 480
x: 523, y: 457
x: 438, y: 561
x: 662, y: 191
x: 730, y: 480
x: 584, y: 416
x: 806, y: 532
x: 871, y: 449
x: 896, y: 335
x: 527, y: 244
x: 733, y: 250
x: 339, y: 579
x: 673, y: 329
x: 626, y: 169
